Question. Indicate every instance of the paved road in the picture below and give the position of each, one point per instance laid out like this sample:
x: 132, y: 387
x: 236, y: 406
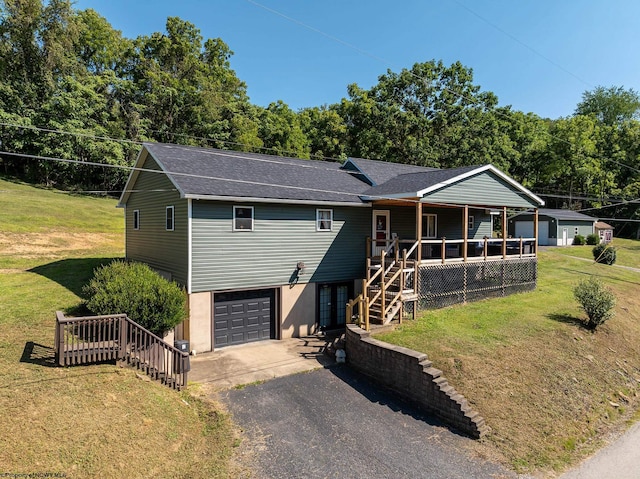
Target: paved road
x: 332, y: 423
x: 619, y: 460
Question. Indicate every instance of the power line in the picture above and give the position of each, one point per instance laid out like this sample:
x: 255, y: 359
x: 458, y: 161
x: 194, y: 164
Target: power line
x: 528, y: 47
x: 386, y: 62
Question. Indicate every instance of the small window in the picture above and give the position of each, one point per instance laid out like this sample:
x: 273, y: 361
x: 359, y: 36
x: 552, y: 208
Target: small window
x: 429, y: 226
x: 324, y: 220
x: 243, y: 218
x: 471, y: 223
x: 577, y: 231
x: 136, y: 219
x: 170, y: 218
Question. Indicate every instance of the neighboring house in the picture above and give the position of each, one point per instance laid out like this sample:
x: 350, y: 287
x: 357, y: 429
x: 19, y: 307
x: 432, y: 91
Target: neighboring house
x: 604, y: 231
x: 273, y: 247
x: 555, y: 227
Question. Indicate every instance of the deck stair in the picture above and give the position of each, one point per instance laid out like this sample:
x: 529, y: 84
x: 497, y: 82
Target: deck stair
x: 95, y: 339
x: 389, y: 285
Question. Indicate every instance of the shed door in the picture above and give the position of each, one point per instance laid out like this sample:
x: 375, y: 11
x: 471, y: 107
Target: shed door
x: 525, y: 229
x: 243, y: 316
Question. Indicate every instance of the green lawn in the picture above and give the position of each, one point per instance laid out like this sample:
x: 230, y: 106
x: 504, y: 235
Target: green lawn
x: 544, y: 384
x: 89, y: 421
x: 628, y: 252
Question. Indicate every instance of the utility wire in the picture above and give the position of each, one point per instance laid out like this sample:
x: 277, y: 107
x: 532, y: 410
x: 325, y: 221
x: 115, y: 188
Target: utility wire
x: 386, y: 62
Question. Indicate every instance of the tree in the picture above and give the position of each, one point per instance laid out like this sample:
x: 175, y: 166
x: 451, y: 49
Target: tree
x: 611, y: 106
x: 281, y: 132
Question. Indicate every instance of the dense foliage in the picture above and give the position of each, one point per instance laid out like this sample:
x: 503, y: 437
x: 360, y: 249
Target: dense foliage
x: 604, y: 253
x: 139, y: 292
x: 70, y: 70
x: 579, y: 240
x: 596, y: 300
x: 593, y: 239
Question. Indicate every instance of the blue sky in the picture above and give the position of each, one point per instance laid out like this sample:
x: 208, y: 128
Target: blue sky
x: 536, y: 55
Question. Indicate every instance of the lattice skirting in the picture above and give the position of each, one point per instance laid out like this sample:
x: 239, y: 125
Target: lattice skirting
x: 442, y: 285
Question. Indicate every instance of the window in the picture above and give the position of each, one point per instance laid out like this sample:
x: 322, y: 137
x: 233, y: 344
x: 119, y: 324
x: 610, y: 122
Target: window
x: 324, y: 220
x: 170, y: 218
x: 577, y: 231
x: 243, y: 218
x: 429, y: 226
x: 471, y: 223
x: 136, y: 219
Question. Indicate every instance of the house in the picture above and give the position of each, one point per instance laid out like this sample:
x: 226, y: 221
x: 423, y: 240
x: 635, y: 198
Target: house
x: 604, y: 231
x: 556, y: 227
x: 274, y: 247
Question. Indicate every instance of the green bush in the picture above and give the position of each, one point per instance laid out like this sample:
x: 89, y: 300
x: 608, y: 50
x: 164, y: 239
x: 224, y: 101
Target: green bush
x: 138, y: 291
x: 596, y: 300
x: 593, y: 239
x: 578, y: 240
x: 603, y: 253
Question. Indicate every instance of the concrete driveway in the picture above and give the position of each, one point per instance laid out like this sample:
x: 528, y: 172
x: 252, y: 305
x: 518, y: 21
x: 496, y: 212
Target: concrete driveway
x: 248, y: 363
x: 333, y: 423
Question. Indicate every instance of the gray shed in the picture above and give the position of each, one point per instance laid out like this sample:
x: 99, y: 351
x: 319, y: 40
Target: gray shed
x: 555, y: 227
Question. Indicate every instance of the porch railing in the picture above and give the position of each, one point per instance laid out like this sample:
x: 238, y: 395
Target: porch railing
x: 95, y: 339
x: 446, y: 250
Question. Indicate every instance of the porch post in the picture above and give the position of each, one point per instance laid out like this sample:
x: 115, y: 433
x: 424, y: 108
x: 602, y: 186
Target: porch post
x: 535, y: 232
x: 504, y: 232
x: 465, y: 231
x: 419, y: 232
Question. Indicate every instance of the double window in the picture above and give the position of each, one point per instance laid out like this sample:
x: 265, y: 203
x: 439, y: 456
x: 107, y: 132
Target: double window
x: 324, y: 220
x: 243, y: 218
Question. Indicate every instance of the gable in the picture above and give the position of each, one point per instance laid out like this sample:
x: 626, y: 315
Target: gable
x: 485, y: 188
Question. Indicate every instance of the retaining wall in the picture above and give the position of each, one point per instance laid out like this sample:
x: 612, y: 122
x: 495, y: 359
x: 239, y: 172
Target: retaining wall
x: 411, y: 375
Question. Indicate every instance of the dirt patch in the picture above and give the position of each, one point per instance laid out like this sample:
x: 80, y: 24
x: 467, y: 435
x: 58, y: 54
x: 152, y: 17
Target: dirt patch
x: 55, y: 243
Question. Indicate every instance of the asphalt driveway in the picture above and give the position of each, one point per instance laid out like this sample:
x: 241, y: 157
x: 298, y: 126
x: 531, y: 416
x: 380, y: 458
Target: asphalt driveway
x: 333, y: 423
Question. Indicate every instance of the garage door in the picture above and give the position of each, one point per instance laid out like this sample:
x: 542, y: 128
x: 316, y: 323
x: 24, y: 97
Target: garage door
x: 243, y: 316
x: 524, y: 229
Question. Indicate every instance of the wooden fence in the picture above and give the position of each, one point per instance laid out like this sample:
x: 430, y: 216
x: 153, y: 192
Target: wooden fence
x: 94, y: 339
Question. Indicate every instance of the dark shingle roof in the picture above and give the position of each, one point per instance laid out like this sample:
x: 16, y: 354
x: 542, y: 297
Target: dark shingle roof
x: 565, y: 215
x: 414, y: 182
x: 382, y: 171
x: 208, y: 172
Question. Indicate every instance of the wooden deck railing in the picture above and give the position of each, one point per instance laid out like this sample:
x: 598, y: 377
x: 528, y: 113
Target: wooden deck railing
x: 95, y: 339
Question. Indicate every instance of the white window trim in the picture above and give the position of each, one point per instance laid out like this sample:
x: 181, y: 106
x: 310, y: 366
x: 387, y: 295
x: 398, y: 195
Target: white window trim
x: 471, y: 224
x: 173, y: 218
x: 237, y: 207
x: 136, y: 219
x: 318, y: 228
x: 435, y: 224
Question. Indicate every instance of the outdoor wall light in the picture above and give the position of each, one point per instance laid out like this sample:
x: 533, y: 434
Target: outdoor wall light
x: 300, y: 267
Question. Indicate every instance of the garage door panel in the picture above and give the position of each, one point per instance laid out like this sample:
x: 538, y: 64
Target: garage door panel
x: 243, y: 317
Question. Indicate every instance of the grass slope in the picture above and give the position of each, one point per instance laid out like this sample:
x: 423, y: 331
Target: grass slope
x: 90, y: 421
x: 550, y: 390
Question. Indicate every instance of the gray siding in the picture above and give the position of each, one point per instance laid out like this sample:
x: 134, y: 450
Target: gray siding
x: 449, y: 223
x: 584, y: 228
x: 283, y: 236
x: 152, y: 244
x: 484, y: 189
x: 556, y: 226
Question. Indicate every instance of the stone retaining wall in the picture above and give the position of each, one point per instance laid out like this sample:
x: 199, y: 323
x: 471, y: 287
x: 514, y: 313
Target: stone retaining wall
x: 410, y: 374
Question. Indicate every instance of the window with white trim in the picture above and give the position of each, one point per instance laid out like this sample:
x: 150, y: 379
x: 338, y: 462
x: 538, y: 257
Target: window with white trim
x: 170, y: 218
x: 243, y: 218
x: 429, y: 225
x: 136, y: 219
x: 471, y: 223
x: 324, y: 219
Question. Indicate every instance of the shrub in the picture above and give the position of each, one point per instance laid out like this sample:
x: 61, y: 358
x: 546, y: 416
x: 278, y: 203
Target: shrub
x: 593, y: 239
x: 603, y: 253
x: 596, y: 300
x: 135, y: 289
x: 578, y: 240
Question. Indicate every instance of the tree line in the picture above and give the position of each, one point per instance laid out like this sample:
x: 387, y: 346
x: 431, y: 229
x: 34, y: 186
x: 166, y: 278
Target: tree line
x: 69, y: 70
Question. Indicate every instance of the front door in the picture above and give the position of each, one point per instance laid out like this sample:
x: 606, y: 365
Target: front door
x: 381, y: 231
x: 332, y: 304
